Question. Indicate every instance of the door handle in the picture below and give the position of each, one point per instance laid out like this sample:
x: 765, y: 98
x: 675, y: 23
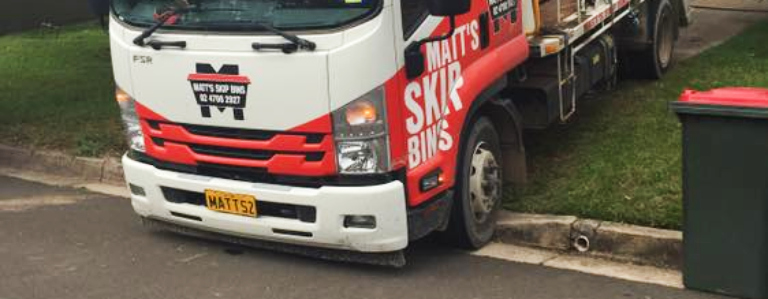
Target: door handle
x: 485, y: 31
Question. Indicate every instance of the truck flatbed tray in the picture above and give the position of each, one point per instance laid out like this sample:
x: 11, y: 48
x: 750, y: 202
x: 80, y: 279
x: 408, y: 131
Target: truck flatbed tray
x: 596, y: 20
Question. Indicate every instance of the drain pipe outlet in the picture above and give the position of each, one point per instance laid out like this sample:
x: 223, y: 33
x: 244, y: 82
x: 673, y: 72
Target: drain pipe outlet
x: 581, y: 243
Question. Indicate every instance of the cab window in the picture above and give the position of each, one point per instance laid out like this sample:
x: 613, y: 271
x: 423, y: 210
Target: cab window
x: 414, y: 13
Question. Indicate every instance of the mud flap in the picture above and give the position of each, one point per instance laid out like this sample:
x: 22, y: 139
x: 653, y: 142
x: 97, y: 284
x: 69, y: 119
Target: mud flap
x: 394, y: 259
x: 433, y: 216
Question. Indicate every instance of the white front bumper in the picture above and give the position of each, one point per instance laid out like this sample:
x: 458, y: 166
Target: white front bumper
x: 385, y: 202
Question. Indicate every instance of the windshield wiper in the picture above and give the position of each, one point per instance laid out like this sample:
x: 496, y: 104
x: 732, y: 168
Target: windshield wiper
x: 296, y: 44
x: 139, y: 40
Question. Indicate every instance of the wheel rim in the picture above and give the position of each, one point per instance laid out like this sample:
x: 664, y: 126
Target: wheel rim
x: 484, y: 182
x: 666, y: 40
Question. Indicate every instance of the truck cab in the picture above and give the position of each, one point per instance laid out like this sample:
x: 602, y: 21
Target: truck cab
x: 354, y: 125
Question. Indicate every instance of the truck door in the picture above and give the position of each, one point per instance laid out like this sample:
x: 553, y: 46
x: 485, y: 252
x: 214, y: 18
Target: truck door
x: 487, y: 42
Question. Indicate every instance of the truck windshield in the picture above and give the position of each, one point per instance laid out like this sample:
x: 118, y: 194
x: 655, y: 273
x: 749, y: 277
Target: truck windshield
x: 233, y: 15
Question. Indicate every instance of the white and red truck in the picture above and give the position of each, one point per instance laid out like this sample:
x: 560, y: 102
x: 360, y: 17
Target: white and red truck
x: 358, y: 126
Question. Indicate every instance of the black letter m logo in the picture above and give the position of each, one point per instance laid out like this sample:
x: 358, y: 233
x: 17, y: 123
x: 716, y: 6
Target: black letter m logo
x: 221, y: 90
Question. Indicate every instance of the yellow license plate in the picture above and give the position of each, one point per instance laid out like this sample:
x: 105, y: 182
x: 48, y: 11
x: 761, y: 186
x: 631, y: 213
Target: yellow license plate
x: 225, y: 202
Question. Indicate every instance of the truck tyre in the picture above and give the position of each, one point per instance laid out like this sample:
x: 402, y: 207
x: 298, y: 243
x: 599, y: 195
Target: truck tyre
x: 653, y: 62
x: 478, y: 186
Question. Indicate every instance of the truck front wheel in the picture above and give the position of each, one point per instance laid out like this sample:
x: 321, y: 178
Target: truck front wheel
x: 479, y: 187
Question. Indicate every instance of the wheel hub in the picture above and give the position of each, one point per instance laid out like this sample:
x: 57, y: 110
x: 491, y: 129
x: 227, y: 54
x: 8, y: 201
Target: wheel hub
x: 484, y: 182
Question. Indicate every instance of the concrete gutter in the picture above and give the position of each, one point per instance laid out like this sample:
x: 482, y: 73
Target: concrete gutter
x: 616, y: 241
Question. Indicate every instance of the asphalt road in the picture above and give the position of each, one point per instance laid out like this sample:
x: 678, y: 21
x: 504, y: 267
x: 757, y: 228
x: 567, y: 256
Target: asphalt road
x: 64, y: 243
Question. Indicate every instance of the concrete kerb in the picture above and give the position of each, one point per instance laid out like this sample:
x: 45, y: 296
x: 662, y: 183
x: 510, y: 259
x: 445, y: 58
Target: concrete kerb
x: 616, y: 241
x: 14, y: 157
x: 85, y: 170
x: 112, y: 172
x: 546, y: 231
x: 639, y: 244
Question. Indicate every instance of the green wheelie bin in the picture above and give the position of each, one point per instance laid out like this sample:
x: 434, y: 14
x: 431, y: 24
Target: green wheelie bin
x: 725, y: 190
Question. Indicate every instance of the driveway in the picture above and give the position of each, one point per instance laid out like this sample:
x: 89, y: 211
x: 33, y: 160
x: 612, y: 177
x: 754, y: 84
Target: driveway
x: 715, y: 21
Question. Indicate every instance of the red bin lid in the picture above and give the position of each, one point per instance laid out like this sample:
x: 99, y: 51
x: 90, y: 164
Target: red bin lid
x: 730, y: 96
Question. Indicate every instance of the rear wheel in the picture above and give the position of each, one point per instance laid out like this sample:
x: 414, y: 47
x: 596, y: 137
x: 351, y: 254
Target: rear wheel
x: 479, y: 187
x: 654, y: 61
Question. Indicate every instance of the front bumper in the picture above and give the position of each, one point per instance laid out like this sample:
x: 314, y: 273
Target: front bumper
x: 331, y: 204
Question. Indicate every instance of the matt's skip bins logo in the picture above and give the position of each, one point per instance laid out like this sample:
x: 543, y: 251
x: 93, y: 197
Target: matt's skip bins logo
x: 221, y: 89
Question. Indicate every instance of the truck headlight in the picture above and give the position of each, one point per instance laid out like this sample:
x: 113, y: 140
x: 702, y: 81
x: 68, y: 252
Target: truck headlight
x: 131, y: 124
x: 360, y: 131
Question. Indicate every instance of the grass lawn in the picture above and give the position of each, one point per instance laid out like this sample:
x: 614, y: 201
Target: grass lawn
x: 57, y: 93
x: 619, y: 159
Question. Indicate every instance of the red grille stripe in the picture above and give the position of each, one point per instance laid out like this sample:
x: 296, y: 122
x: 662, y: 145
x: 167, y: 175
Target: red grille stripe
x: 281, y: 143
x: 321, y: 124
x: 146, y: 113
x: 175, y: 150
x: 219, y: 78
x: 282, y: 164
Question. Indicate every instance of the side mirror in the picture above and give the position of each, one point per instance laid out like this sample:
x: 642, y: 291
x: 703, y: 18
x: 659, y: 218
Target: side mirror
x: 414, y: 58
x: 414, y: 61
x: 448, y: 8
